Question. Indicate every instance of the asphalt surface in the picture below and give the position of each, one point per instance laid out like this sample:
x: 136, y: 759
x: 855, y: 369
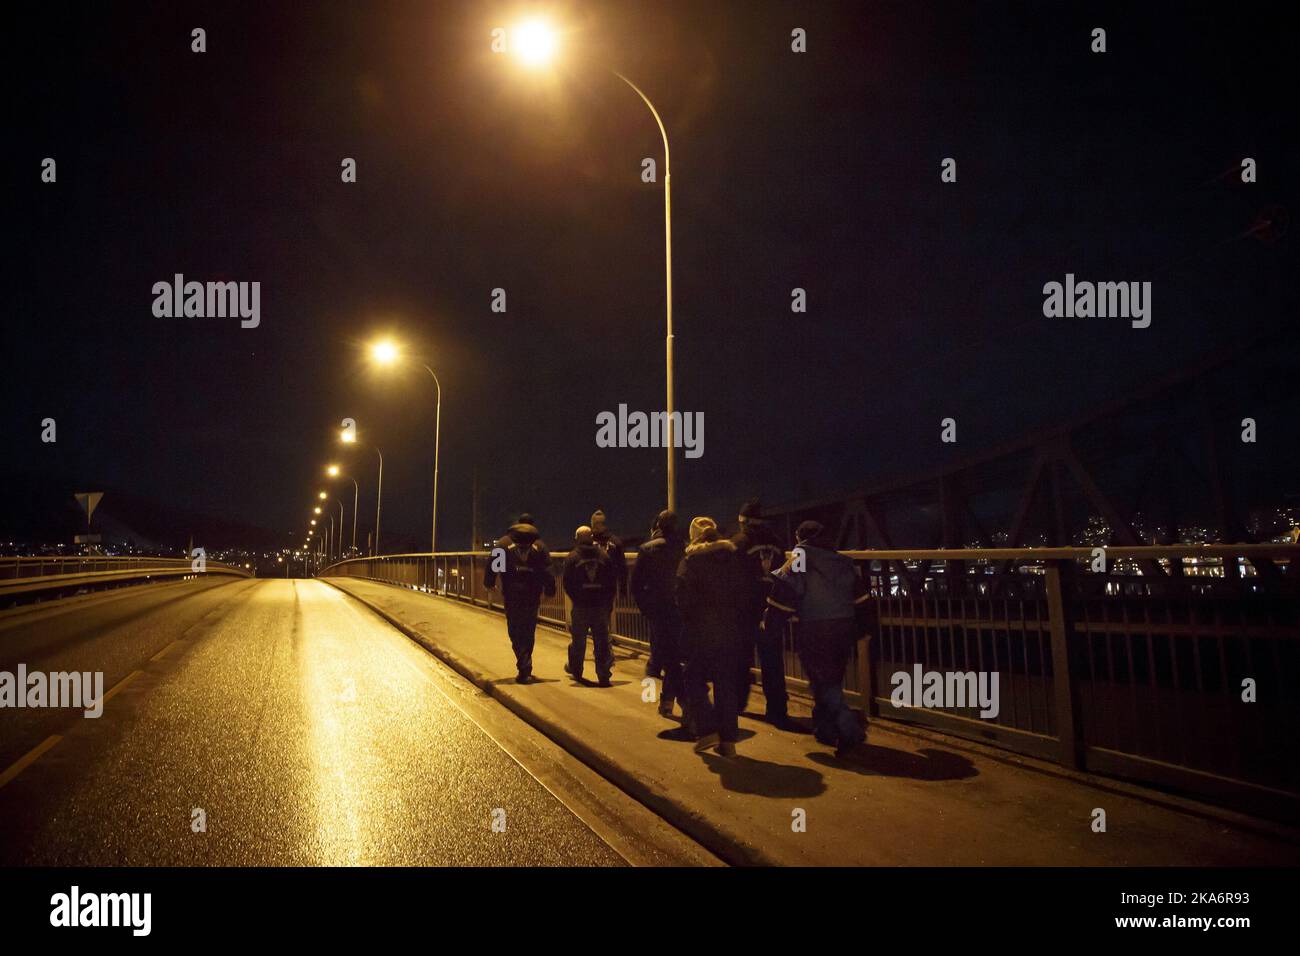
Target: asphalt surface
x: 306, y: 730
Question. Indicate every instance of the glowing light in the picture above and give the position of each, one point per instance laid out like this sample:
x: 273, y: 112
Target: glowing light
x: 332, y: 470
x: 384, y: 352
x: 534, y: 42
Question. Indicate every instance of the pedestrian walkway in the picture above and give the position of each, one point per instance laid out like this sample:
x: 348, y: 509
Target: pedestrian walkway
x: 910, y: 797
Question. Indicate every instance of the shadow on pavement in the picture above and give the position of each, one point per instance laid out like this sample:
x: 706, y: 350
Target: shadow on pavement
x: 741, y: 774
x: 926, y: 764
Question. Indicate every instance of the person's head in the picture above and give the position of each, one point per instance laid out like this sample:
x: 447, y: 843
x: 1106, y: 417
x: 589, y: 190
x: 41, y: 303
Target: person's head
x: 526, y: 518
x: 811, y: 533
x: 751, y: 512
x: 703, y: 528
x: 583, y: 535
x: 666, y: 523
x: 598, y: 521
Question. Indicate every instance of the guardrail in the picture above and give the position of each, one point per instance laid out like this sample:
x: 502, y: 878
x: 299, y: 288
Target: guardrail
x: 1138, y: 670
x: 31, y: 576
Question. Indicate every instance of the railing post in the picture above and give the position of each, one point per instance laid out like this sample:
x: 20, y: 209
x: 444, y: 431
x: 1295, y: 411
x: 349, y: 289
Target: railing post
x: 1068, y: 725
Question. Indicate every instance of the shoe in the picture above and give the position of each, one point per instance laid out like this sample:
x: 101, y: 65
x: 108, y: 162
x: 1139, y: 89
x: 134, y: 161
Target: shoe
x: 726, y: 749
x: 525, y: 679
x: 781, y: 722
x: 707, y: 742
x: 604, y: 682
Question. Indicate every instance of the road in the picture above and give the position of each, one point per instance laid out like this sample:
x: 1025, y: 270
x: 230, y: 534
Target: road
x: 300, y: 727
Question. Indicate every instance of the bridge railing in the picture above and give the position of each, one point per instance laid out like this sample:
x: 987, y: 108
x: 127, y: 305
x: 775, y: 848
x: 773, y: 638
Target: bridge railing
x: 1178, y: 666
x: 33, y: 575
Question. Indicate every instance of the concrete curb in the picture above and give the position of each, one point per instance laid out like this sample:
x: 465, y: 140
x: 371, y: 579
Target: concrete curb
x: 725, y: 845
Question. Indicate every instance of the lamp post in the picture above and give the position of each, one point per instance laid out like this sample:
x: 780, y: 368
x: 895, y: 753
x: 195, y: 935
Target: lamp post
x: 535, y: 44
x: 350, y: 438
x: 333, y: 472
x: 387, y: 352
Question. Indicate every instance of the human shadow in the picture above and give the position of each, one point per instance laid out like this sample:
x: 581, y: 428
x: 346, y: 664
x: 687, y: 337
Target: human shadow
x: 741, y: 774
x: 872, y: 760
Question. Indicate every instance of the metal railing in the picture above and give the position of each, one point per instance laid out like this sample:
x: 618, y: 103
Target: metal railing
x: 1139, y: 670
x: 33, y: 574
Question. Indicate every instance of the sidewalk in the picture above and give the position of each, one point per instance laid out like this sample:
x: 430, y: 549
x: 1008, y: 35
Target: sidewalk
x: 911, y: 799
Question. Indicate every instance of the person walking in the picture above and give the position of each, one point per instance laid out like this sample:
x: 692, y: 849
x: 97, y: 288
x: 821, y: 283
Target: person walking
x: 522, y: 563
x: 589, y: 581
x: 823, y: 592
x: 652, y: 585
x: 605, y: 539
x: 762, y: 553
x: 711, y: 593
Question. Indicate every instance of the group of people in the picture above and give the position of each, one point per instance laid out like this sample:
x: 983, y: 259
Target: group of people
x: 710, y: 601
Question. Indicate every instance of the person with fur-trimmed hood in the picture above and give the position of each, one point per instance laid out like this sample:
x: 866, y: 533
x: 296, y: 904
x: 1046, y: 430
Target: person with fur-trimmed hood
x: 762, y: 552
x: 653, y: 582
x: 522, y: 562
x: 711, y: 595
x: 823, y: 593
x: 589, y: 581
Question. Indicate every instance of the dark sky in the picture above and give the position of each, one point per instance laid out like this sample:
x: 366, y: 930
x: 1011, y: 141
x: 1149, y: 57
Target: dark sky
x: 818, y: 170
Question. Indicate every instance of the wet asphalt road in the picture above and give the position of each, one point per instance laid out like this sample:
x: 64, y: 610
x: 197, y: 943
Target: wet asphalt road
x: 307, y: 731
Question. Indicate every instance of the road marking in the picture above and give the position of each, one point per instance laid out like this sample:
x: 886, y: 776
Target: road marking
x: 27, y: 759
x: 159, y: 656
x: 122, y: 683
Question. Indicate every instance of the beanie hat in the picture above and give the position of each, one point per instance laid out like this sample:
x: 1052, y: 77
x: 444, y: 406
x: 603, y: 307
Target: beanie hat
x: 809, y: 531
x: 525, y: 518
x: 703, y: 529
x: 666, y: 523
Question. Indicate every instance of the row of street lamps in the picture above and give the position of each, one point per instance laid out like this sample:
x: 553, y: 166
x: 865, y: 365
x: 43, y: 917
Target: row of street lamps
x: 534, y: 43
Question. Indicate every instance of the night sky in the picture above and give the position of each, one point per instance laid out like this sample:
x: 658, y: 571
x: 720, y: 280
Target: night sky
x: 818, y: 170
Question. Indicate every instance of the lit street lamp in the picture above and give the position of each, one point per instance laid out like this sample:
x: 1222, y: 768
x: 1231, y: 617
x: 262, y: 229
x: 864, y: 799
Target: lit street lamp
x: 386, y: 352
x: 333, y: 472
x: 349, y: 437
x: 535, y: 43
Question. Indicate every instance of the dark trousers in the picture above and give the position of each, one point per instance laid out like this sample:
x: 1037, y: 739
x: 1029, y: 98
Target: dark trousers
x: 716, y: 665
x: 824, y: 650
x: 771, y: 660
x: 593, y: 618
x: 667, y: 653
x: 521, y: 624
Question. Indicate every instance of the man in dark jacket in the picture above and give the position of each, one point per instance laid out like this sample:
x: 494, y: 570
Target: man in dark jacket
x: 521, y: 561
x: 654, y: 578
x: 590, y: 582
x: 762, y: 552
x: 822, y: 591
x: 711, y: 584
x: 613, y: 548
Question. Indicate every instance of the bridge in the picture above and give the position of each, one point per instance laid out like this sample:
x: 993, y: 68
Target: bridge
x: 369, y: 714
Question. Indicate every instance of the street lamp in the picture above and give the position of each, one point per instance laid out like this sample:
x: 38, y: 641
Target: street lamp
x: 349, y: 437
x: 535, y: 43
x: 386, y: 352
x: 333, y: 472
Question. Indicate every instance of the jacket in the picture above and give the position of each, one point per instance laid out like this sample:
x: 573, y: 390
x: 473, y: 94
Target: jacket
x: 589, y: 576
x: 654, y: 576
x: 711, y: 595
x: 527, y: 564
x: 613, y: 549
x: 762, y: 553
x: 829, y: 588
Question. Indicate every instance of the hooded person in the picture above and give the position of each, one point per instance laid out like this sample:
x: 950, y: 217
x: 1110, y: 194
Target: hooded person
x: 762, y: 553
x: 711, y: 595
x: 522, y: 563
x: 654, y: 579
x: 590, y: 582
x: 822, y: 592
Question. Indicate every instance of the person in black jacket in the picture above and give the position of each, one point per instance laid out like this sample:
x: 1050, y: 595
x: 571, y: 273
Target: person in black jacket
x: 604, y: 539
x: 762, y: 552
x: 823, y: 590
x: 590, y: 582
x: 523, y: 564
x: 711, y: 594
x: 654, y: 579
